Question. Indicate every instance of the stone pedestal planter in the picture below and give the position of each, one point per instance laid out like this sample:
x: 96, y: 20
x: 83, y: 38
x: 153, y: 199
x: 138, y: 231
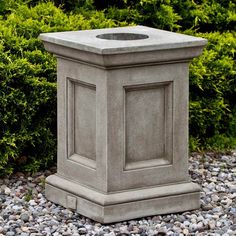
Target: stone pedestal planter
x: 123, y: 122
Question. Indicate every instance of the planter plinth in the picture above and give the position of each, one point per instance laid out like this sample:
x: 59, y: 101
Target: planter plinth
x: 123, y: 122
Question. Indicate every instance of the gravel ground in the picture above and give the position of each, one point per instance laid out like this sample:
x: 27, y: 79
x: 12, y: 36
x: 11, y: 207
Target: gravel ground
x: 25, y: 211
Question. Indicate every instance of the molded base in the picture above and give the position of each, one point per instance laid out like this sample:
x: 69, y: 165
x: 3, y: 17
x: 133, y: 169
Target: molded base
x: 119, y: 206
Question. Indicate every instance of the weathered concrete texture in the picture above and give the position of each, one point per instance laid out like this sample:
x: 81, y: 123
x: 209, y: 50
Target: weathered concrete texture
x: 123, y: 122
x: 124, y: 205
x: 160, y: 46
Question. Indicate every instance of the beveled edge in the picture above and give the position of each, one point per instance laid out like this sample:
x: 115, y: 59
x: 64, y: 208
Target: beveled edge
x: 105, y: 199
x: 126, y: 60
x: 87, y: 40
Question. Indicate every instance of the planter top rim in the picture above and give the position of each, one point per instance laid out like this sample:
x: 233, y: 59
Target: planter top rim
x: 122, y: 40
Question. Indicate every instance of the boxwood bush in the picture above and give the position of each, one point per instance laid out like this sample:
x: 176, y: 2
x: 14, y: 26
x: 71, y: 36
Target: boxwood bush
x: 28, y: 72
x: 27, y: 83
x: 199, y: 15
x: 213, y: 93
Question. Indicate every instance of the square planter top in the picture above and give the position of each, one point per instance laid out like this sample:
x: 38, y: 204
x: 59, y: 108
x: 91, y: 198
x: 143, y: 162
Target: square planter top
x: 145, y: 42
x: 122, y: 40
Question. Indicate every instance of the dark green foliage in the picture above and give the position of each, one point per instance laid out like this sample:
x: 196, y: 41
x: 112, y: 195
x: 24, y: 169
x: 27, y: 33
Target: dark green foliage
x: 199, y: 15
x: 213, y: 90
x: 28, y: 72
x: 27, y: 83
x: 154, y: 13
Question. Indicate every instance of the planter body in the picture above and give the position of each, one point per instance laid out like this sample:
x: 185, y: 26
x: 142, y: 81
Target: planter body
x: 123, y: 122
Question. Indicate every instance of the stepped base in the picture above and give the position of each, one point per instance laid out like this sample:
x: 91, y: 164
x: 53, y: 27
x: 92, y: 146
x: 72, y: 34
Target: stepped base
x: 120, y: 206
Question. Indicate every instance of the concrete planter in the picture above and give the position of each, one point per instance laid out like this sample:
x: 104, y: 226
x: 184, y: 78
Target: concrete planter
x: 123, y: 122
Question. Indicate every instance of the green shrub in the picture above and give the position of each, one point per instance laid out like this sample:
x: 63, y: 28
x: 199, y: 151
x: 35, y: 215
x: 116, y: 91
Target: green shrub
x: 200, y: 15
x: 28, y: 76
x: 154, y: 13
x: 27, y: 83
x: 213, y: 91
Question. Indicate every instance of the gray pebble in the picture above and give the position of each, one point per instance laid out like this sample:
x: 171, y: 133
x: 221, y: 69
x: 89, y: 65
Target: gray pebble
x: 82, y: 230
x: 10, y: 233
x: 232, y: 188
x: 25, y: 216
x: 24, y: 234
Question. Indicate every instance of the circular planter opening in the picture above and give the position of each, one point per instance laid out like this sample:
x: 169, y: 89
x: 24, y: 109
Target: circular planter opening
x: 122, y: 36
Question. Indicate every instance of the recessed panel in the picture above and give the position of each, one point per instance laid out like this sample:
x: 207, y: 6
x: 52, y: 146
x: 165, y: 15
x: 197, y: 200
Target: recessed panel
x: 85, y: 120
x: 145, y: 126
x: 81, y: 138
